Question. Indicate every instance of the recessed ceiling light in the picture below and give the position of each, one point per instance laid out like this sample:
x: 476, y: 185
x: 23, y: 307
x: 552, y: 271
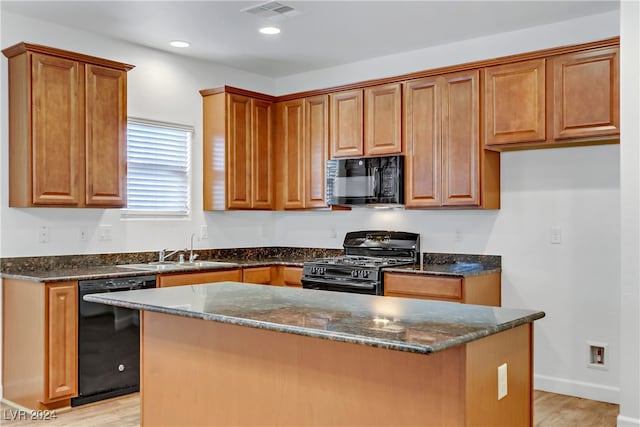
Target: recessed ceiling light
x: 269, y: 30
x: 180, y: 43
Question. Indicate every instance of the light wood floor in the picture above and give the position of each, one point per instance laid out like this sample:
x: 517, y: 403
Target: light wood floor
x: 550, y: 410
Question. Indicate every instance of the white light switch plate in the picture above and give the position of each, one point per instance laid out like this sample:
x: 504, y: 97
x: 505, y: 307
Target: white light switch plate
x: 502, y: 381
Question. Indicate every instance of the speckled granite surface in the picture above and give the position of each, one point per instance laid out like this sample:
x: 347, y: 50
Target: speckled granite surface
x: 403, y: 324
x: 86, y: 267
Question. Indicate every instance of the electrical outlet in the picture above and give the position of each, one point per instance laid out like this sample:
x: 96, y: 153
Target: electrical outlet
x: 502, y: 381
x: 459, y: 236
x: 43, y: 234
x: 556, y: 235
x: 104, y: 233
x: 82, y: 235
x: 204, y: 232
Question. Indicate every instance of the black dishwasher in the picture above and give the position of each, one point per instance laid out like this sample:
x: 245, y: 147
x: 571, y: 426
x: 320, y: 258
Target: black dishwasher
x: 108, y: 341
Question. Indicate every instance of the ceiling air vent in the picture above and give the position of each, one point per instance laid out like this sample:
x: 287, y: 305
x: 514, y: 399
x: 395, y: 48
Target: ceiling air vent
x: 272, y: 9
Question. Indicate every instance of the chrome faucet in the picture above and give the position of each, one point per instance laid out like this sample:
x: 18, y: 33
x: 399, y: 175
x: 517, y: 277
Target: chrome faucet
x: 192, y: 256
x: 162, y: 256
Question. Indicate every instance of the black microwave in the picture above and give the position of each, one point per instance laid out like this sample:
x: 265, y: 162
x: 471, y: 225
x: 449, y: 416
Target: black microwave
x: 366, y: 181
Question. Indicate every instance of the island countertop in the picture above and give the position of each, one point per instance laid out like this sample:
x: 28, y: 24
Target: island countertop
x: 411, y: 325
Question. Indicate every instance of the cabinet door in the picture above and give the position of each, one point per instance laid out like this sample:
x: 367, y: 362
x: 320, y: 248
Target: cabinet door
x: 257, y: 275
x: 422, y: 135
x: 382, y: 130
x: 292, y: 276
x: 423, y: 286
x: 346, y: 124
x: 61, y: 376
x: 291, y: 138
x: 586, y: 94
x: 57, y: 130
x: 515, y: 102
x: 316, y: 139
x: 239, y: 162
x: 106, y: 136
x: 461, y: 139
x: 180, y: 279
x: 262, y: 155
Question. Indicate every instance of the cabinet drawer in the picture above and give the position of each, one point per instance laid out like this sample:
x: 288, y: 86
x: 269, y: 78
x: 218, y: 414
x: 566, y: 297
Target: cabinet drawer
x: 259, y: 275
x: 165, y: 280
x: 420, y: 286
x: 292, y: 276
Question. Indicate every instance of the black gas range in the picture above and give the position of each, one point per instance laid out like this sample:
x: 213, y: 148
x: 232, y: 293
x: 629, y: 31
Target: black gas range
x: 360, y: 269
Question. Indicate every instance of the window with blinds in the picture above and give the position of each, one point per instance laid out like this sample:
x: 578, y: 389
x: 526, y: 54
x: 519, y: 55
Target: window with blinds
x: 158, y: 168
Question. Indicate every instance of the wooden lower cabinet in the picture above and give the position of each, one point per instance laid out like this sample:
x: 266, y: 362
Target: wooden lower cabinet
x: 482, y: 289
x: 40, y: 335
x: 179, y: 279
x: 257, y: 275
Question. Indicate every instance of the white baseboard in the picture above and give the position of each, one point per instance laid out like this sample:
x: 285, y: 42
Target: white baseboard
x: 627, y: 422
x: 577, y: 388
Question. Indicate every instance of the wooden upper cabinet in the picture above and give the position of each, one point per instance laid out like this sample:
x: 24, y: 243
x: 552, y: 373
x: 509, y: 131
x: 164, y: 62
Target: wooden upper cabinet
x: 262, y: 155
x: 461, y: 139
x: 515, y: 102
x: 445, y: 164
x: 67, y: 128
x: 57, y: 132
x: 423, y: 143
x: 316, y: 143
x: 290, y: 137
x: 302, y: 138
x: 239, y: 159
x: 106, y: 137
x: 346, y: 123
x: 238, y: 169
x: 382, y: 131
x: 586, y: 94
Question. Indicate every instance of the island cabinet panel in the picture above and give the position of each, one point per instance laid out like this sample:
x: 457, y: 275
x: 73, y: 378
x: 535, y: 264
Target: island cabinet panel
x: 257, y: 275
x: 67, y: 129
x: 586, y: 94
x: 179, y: 279
x: 40, y: 335
x: 62, y: 340
x: 346, y: 121
x: 515, y: 102
x: 481, y: 289
x: 382, y: 131
x: 302, y: 137
x: 445, y: 163
x: 233, y: 368
x: 237, y: 150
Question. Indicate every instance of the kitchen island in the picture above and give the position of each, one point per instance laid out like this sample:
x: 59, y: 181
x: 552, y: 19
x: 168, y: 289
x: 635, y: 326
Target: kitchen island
x: 239, y: 354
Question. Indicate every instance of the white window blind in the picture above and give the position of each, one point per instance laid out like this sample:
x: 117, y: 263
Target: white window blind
x: 158, y: 168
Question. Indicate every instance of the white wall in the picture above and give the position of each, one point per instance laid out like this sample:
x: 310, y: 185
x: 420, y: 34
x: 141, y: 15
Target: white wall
x: 630, y: 220
x: 161, y: 87
x: 576, y: 283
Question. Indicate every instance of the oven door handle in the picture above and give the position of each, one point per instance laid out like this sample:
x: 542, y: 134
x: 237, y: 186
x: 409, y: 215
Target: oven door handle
x: 340, y: 283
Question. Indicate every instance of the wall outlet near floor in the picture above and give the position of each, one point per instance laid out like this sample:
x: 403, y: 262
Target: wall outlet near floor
x: 43, y: 234
x: 502, y: 381
x: 104, y: 233
x: 598, y: 355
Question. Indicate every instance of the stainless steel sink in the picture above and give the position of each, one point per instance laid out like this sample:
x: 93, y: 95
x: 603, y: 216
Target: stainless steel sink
x: 174, y: 265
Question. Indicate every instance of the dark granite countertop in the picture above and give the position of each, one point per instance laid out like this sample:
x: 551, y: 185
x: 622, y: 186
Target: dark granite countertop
x: 457, y: 269
x: 404, y: 324
x: 87, y: 267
